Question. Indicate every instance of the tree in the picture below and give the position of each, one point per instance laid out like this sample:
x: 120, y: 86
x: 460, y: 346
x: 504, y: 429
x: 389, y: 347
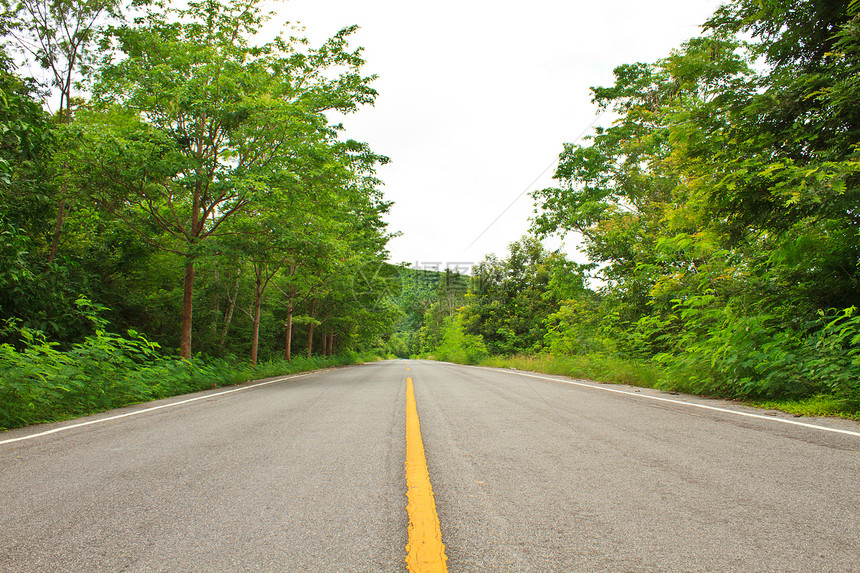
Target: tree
x: 510, y: 300
x: 195, y: 126
x: 721, y: 206
x: 286, y: 226
x: 60, y: 36
x: 25, y: 139
x: 796, y: 174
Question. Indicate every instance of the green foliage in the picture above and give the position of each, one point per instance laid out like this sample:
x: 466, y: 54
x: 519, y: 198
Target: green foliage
x: 511, y: 300
x: 768, y: 362
x: 456, y: 346
x: 39, y: 295
x: 720, y: 208
x: 822, y: 405
x: 612, y: 369
x: 833, y: 353
x: 575, y: 328
x: 600, y: 367
x: 221, y: 145
x: 25, y: 132
x: 203, y: 173
x: 42, y: 383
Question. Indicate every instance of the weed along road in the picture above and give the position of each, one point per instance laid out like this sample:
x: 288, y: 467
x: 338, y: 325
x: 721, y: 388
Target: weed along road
x: 423, y: 466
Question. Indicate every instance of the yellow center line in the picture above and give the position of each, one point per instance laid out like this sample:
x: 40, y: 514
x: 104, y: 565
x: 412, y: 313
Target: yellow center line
x: 425, y: 552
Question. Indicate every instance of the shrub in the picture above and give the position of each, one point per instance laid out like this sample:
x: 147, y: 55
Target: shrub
x: 40, y: 383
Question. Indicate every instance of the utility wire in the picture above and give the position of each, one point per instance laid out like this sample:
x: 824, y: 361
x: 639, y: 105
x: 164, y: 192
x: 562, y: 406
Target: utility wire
x: 529, y: 186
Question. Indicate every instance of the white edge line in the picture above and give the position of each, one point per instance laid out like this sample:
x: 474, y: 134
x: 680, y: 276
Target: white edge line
x: 152, y: 409
x: 661, y: 399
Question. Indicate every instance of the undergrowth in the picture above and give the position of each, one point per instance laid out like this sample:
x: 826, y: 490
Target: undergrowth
x: 609, y: 369
x: 40, y: 383
x: 593, y: 367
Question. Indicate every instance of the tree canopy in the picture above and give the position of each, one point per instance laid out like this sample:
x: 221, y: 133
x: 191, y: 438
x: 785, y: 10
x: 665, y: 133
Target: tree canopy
x: 721, y: 205
x: 194, y: 169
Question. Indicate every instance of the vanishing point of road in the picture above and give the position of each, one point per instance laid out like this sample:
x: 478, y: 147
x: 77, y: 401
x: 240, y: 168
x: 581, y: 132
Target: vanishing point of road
x: 507, y: 471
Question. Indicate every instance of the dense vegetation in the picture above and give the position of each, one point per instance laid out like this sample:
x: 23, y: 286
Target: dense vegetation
x: 719, y: 214
x: 190, y: 216
x: 189, y: 209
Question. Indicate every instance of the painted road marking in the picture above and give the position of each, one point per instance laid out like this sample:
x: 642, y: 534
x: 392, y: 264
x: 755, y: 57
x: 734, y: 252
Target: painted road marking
x: 144, y: 411
x: 661, y: 399
x: 425, y: 552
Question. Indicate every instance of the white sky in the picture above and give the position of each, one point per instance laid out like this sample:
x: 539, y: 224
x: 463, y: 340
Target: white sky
x: 477, y: 97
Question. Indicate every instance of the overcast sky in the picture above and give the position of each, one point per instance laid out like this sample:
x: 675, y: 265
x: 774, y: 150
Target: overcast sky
x: 476, y: 99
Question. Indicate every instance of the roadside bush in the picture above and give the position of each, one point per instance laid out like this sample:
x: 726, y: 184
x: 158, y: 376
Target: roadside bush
x: 40, y: 383
x: 766, y: 357
x: 457, y: 346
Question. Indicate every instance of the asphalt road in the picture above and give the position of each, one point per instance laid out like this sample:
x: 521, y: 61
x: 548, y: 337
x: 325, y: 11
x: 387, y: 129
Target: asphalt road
x: 529, y: 474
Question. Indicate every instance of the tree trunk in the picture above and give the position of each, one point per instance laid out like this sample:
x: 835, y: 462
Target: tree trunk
x: 310, y: 337
x: 313, y: 313
x: 230, y: 308
x: 288, y: 343
x: 187, y: 299
x: 259, y: 288
x: 255, y: 335
x: 188, y: 291
x: 325, y: 343
x: 331, y: 344
x: 66, y: 113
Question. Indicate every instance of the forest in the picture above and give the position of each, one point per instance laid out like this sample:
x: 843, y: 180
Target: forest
x: 189, y: 215
x: 719, y: 217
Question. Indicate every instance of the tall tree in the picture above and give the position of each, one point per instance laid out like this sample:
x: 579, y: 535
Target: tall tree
x: 721, y: 205
x: 60, y: 36
x: 197, y: 125
x: 510, y: 299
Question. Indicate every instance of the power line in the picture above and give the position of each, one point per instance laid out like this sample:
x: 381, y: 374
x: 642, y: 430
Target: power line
x: 529, y: 186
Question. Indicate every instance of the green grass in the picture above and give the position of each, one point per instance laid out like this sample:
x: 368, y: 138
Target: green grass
x: 609, y: 369
x: 596, y: 367
x: 815, y: 406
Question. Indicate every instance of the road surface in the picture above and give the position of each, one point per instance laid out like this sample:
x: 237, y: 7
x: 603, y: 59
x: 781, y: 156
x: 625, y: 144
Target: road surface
x: 530, y: 473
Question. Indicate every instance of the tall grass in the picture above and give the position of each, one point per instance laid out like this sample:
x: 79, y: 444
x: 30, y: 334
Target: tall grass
x: 597, y: 367
x: 651, y: 374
